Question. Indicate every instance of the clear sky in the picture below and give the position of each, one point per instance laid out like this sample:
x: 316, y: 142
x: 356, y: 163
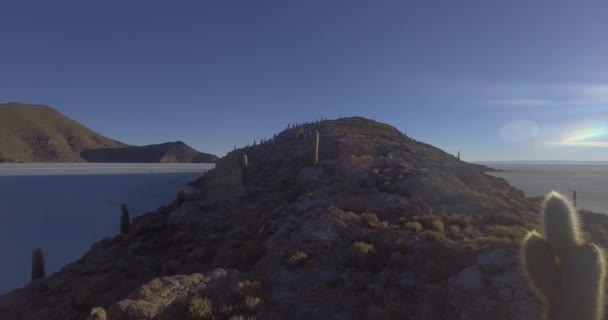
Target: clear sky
x: 497, y: 80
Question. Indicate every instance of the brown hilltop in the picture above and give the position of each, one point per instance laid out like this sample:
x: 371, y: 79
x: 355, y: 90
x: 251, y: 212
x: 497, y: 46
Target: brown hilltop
x: 39, y: 133
x: 383, y: 227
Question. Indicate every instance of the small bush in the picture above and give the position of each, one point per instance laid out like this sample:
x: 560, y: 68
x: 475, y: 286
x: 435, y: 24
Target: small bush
x: 461, y: 220
x: 364, y: 248
x: 247, y: 287
x: 438, y: 225
x: 298, y: 258
x: 252, y: 302
x: 413, y: 226
x: 433, y: 235
x: 370, y: 219
x: 201, y: 308
x: 484, y: 241
x: 455, y: 229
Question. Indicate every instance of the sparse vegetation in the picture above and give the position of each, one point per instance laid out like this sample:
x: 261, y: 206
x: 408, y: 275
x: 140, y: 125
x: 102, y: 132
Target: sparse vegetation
x: 413, y: 226
x: 298, y: 258
x: 201, y: 308
x: 252, y: 302
x: 363, y: 248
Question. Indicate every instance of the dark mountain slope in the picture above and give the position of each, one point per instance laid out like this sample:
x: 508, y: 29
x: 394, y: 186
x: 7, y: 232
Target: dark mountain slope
x: 164, y: 153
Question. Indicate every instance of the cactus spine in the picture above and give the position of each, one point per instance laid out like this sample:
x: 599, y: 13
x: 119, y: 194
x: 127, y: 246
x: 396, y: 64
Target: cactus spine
x: 566, y: 273
x: 124, y: 219
x: 37, y: 264
x: 316, y: 146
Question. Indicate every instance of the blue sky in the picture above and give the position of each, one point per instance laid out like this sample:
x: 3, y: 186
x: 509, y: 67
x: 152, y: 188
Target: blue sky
x: 497, y: 80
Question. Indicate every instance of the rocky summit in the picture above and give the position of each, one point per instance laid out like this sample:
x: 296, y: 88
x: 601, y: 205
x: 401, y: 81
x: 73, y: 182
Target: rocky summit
x: 381, y: 227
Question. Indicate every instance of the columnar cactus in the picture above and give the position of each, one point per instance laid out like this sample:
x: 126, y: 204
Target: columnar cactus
x: 124, y: 219
x: 245, y: 161
x: 37, y: 264
x: 181, y: 197
x: 244, y: 164
x: 574, y: 198
x: 566, y: 273
x: 316, y: 149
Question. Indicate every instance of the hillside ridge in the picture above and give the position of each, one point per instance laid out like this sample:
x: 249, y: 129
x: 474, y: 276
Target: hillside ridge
x: 381, y: 227
x: 40, y: 133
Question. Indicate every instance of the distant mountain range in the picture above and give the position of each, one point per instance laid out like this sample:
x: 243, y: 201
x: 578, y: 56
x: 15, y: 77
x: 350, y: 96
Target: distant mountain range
x: 39, y: 133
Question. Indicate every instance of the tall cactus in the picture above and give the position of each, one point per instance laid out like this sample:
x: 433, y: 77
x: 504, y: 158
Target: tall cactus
x: 180, y: 198
x: 316, y: 150
x: 244, y: 164
x: 574, y: 198
x: 37, y: 264
x: 566, y: 273
x: 124, y: 219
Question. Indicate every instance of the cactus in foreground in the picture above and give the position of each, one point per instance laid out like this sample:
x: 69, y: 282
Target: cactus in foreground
x: 37, y: 264
x: 316, y: 149
x: 124, y: 219
x: 566, y: 273
x: 574, y: 198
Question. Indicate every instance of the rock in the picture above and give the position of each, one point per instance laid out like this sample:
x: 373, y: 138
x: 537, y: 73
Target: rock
x: 98, y: 313
x: 468, y: 279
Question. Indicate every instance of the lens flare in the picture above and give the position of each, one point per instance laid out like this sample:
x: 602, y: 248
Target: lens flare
x: 519, y: 131
x: 585, y: 134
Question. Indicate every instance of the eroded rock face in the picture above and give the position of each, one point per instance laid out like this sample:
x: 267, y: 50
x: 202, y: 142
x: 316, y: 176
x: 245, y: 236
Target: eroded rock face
x: 383, y: 227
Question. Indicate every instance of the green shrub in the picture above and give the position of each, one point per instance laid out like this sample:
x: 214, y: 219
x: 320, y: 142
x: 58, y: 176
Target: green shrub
x: 364, y: 248
x: 201, y: 308
x: 413, y: 226
x: 298, y: 258
x: 247, y: 287
x: 433, y: 235
x: 438, y: 225
x: 252, y: 302
x: 370, y: 219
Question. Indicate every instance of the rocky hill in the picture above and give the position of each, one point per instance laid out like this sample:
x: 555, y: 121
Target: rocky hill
x: 164, y: 152
x: 38, y: 133
x: 382, y: 227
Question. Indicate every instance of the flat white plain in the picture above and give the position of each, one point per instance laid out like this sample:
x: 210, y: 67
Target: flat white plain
x: 536, y: 179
